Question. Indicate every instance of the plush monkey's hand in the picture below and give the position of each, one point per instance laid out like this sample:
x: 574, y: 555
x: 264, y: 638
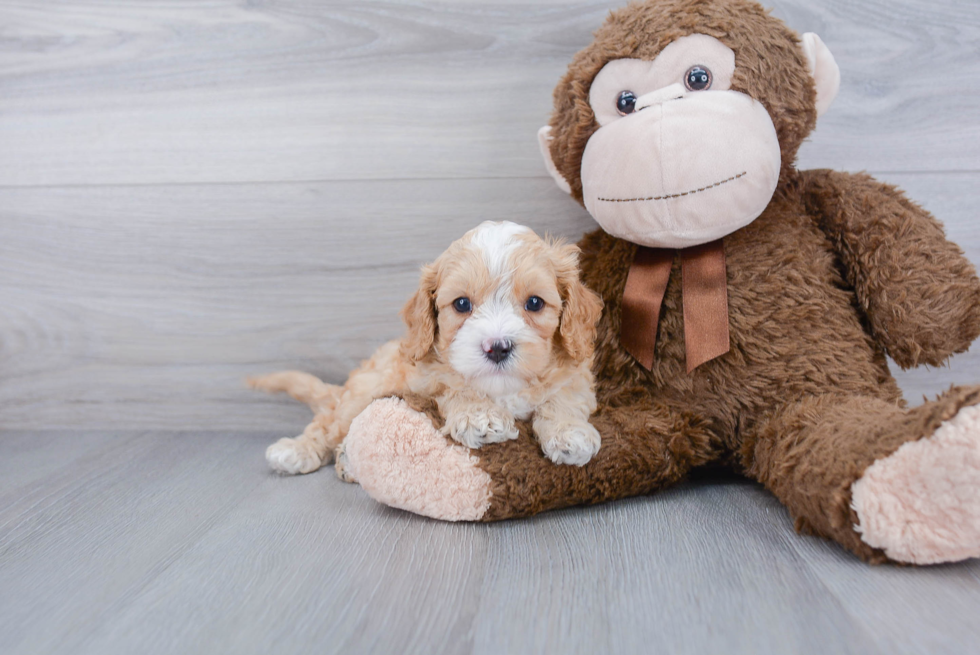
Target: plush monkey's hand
x: 920, y: 294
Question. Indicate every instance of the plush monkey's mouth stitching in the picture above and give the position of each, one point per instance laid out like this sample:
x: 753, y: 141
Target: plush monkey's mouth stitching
x: 675, y: 195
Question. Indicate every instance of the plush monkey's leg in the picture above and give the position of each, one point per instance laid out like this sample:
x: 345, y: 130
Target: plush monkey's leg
x: 884, y: 482
x: 401, y: 460
x: 644, y: 448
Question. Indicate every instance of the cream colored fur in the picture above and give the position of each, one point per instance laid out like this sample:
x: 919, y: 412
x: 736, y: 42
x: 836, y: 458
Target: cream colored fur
x: 384, y: 374
x: 920, y: 505
x: 402, y: 461
x: 497, y: 266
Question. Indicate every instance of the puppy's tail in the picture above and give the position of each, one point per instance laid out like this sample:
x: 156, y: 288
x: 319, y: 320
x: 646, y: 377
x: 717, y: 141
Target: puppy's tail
x: 304, y: 387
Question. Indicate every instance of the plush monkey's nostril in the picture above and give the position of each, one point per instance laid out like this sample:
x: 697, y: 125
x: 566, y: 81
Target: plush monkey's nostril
x: 498, y: 351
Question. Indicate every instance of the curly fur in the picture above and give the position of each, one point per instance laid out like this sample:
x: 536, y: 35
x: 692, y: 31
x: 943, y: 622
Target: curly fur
x: 442, y: 355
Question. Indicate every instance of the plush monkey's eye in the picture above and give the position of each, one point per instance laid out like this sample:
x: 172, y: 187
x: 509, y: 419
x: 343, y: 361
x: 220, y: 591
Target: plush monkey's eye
x: 697, y: 78
x: 462, y: 305
x: 534, y: 304
x: 626, y: 102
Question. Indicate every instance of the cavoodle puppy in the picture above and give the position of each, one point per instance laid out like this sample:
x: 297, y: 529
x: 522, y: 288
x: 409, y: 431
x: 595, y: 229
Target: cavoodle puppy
x: 500, y: 329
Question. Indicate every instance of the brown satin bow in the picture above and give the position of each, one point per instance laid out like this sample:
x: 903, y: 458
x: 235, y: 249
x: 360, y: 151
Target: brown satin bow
x: 705, y: 298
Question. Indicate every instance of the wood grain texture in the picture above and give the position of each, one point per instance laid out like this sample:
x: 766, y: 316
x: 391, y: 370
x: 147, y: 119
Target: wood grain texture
x: 148, y: 306
x: 193, y: 192
x: 158, y: 301
x: 184, y: 92
x: 190, y: 193
x: 184, y: 542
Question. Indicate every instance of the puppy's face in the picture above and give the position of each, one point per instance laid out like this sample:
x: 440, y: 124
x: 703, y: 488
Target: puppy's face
x: 501, y: 307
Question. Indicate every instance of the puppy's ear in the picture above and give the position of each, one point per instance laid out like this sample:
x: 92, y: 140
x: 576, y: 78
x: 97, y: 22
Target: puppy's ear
x: 581, y: 307
x: 419, y: 315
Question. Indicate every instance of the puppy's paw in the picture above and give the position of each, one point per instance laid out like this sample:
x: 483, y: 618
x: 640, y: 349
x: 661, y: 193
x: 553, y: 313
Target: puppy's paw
x: 341, y: 466
x: 481, y: 426
x: 574, y: 443
x: 292, y: 456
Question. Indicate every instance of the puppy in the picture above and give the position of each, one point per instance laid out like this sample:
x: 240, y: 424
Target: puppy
x: 500, y: 329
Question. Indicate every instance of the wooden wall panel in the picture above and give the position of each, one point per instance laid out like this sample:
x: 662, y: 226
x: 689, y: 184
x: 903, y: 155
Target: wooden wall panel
x: 193, y: 192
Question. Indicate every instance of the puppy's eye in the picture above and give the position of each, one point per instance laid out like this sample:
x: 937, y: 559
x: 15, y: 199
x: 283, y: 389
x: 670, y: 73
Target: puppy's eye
x: 462, y: 305
x: 697, y: 78
x: 626, y: 102
x: 534, y: 304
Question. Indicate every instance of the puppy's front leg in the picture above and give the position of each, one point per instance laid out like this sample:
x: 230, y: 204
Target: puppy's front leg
x: 561, y: 425
x: 475, y: 420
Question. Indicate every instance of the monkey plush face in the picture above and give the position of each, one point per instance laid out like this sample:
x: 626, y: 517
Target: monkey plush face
x: 677, y: 141
x: 679, y: 159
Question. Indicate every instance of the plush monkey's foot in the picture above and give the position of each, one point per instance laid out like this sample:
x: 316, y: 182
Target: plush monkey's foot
x: 921, y: 504
x: 292, y: 456
x: 401, y: 460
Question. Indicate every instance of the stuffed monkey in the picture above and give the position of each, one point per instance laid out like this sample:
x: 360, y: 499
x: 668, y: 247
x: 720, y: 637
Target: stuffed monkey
x: 749, y: 306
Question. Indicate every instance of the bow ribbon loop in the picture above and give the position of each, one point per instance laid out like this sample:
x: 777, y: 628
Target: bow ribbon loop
x: 705, y: 298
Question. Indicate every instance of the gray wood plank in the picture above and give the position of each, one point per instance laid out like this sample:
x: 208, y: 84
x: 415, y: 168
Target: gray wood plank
x: 698, y: 569
x: 130, y: 296
x: 903, y: 610
x: 183, y: 542
x: 74, y: 545
x: 190, y: 193
x: 148, y: 306
x: 34, y: 456
x: 245, y: 92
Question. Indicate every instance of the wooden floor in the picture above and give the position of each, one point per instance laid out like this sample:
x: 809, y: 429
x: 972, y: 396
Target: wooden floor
x: 182, y: 542
x: 194, y: 192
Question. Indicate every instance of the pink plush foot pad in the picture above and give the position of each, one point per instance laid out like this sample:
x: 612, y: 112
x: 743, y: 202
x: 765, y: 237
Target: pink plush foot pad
x: 922, y: 503
x: 402, y: 461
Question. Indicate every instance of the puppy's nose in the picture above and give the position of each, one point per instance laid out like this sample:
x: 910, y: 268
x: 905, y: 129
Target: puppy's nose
x: 498, y: 351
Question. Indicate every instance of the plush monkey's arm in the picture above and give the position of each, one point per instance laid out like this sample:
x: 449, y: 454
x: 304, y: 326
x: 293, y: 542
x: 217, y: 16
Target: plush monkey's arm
x: 920, y: 294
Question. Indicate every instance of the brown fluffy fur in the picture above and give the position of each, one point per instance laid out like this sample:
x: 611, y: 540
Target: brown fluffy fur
x: 839, y: 271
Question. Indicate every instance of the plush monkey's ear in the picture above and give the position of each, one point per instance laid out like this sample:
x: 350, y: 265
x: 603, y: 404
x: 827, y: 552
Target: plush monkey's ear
x: 823, y: 68
x: 581, y: 307
x: 544, y: 141
x: 419, y: 315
